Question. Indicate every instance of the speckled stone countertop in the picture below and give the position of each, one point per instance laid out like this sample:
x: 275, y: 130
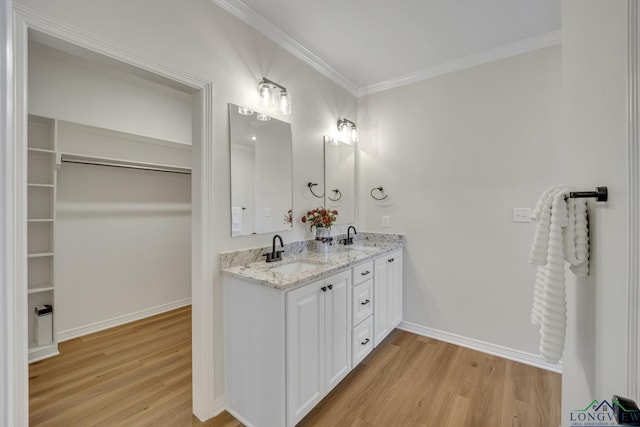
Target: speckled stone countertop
x: 249, y: 264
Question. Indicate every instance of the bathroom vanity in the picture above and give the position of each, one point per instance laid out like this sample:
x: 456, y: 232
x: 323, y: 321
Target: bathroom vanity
x: 295, y: 328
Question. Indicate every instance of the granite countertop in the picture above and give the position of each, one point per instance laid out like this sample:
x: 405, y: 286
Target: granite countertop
x: 339, y: 258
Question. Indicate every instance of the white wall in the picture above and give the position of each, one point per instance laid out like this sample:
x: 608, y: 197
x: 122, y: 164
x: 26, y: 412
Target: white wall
x: 122, y: 247
x: 200, y: 38
x: 455, y: 154
x: 594, y: 73
x: 59, y: 83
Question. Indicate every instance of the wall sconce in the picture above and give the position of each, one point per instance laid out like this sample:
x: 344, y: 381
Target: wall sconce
x: 348, y: 130
x: 266, y: 89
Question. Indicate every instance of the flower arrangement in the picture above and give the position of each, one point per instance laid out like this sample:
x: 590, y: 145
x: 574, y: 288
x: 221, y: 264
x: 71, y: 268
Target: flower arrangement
x: 288, y: 217
x: 320, y: 218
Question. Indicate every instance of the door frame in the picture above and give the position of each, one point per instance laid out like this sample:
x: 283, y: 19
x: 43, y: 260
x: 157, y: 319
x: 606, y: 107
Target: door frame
x: 633, y: 134
x: 202, y: 231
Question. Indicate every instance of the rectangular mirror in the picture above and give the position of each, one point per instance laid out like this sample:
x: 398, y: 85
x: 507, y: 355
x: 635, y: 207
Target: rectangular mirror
x: 339, y: 179
x: 261, y: 172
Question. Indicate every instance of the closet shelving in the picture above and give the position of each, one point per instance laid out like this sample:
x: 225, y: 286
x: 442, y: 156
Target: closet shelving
x: 50, y: 142
x: 41, y: 199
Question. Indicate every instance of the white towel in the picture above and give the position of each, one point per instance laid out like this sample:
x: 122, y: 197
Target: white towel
x: 561, y: 233
x: 236, y: 218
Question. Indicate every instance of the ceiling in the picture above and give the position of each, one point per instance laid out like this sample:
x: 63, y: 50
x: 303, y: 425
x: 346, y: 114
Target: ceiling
x: 371, y: 45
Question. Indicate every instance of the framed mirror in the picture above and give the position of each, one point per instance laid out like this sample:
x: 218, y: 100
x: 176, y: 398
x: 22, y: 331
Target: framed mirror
x: 261, y: 173
x: 339, y: 179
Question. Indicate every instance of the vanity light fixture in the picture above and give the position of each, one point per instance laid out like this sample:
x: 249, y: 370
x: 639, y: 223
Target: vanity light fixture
x: 266, y: 90
x: 263, y: 117
x: 348, y: 130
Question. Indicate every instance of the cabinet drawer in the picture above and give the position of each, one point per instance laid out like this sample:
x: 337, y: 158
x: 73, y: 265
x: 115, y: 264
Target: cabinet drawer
x: 362, y: 338
x: 362, y: 301
x: 362, y: 272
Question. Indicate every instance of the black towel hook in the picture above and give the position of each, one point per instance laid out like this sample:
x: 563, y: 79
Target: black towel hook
x: 381, y: 190
x: 336, y: 191
x: 311, y: 185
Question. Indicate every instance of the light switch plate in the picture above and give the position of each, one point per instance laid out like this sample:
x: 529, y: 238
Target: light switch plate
x: 521, y: 215
x: 267, y: 211
x: 385, y: 220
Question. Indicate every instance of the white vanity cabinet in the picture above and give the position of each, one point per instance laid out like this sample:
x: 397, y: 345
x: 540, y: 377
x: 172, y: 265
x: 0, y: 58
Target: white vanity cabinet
x: 387, y: 295
x: 285, y: 349
x: 318, y: 342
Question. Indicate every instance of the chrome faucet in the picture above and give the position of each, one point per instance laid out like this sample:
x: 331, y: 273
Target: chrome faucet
x: 349, y: 239
x: 275, y: 255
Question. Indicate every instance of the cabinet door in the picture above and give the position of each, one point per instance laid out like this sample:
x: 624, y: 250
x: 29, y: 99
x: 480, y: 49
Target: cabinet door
x: 305, y: 350
x: 380, y: 303
x: 394, y: 290
x: 337, y: 328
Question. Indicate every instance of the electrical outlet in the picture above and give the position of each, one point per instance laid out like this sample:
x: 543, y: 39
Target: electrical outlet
x: 267, y: 211
x: 521, y: 215
x: 385, y: 220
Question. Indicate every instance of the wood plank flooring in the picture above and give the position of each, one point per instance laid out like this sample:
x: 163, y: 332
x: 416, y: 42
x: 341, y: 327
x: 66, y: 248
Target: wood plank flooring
x: 139, y: 374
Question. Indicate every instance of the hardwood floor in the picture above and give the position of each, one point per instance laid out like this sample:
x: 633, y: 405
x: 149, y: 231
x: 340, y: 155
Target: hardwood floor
x: 410, y: 380
x: 139, y: 374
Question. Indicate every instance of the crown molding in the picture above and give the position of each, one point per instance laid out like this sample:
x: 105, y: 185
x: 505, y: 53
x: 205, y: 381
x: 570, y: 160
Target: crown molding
x: 501, y: 52
x: 288, y: 43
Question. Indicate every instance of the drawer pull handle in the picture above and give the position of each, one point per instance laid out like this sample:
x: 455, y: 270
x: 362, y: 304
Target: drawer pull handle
x: 330, y: 286
x: 364, y: 273
x: 391, y: 259
x: 324, y: 289
x: 365, y: 302
x: 365, y: 342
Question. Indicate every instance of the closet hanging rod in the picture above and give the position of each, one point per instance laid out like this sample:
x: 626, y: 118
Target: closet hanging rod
x: 89, y: 160
x: 601, y: 194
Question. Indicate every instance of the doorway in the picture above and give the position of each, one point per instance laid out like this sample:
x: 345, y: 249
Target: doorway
x: 202, y: 265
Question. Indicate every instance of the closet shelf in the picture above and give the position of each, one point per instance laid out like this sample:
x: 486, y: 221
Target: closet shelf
x: 39, y: 254
x: 41, y: 150
x: 33, y: 347
x: 134, y: 164
x: 33, y: 184
x: 40, y: 220
x: 36, y: 289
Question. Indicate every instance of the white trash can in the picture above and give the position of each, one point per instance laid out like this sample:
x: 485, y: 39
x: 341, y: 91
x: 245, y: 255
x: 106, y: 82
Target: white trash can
x: 44, y: 324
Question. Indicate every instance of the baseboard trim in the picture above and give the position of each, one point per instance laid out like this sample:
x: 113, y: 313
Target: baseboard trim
x: 485, y: 347
x: 239, y: 418
x: 120, y: 320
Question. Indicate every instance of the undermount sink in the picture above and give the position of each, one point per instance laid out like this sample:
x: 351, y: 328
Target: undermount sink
x: 294, y: 268
x: 360, y: 247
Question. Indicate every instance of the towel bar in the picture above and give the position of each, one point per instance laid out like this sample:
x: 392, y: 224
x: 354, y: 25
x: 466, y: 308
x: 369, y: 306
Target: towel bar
x: 601, y: 194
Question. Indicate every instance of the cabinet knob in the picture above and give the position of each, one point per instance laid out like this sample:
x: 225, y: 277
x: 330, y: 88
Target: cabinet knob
x: 330, y: 286
x: 364, y: 273
x: 365, y: 342
x: 365, y: 302
x: 324, y: 289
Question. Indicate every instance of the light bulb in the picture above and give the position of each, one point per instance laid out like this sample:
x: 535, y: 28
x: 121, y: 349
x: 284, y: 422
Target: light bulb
x: 245, y: 111
x: 285, y: 103
x: 263, y: 117
x: 345, y: 133
x: 353, y: 135
x: 265, y: 91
